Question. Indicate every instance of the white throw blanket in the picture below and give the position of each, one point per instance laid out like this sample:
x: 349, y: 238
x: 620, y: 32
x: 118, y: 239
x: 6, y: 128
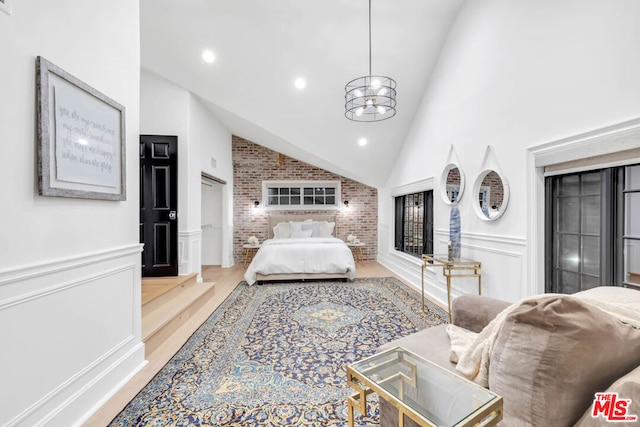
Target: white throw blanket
x: 472, y: 351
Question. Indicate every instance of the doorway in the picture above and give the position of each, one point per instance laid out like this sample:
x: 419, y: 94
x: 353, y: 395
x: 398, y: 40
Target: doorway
x: 159, y: 205
x: 211, y: 221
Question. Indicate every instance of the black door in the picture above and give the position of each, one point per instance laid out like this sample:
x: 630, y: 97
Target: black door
x: 159, y: 204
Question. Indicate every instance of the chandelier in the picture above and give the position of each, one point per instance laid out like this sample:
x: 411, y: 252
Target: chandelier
x: 370, y: 98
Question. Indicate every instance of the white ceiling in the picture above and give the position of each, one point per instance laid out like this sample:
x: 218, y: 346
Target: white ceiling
x: 262, y: 46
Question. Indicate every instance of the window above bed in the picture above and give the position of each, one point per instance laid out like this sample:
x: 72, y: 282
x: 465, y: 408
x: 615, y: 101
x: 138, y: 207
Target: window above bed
x: 301, y: 195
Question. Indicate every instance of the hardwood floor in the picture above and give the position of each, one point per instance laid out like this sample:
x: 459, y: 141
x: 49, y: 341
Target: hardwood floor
x: 154, y: 287
x: 226, y: 279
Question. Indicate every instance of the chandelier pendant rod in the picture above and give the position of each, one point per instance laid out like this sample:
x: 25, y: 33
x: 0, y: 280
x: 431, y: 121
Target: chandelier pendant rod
x: 369, y: 39
x: 369, y: 100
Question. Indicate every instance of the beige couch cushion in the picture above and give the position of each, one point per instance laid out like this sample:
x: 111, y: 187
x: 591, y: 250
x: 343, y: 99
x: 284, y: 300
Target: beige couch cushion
x: 552, y: 354
x: 474, y: 312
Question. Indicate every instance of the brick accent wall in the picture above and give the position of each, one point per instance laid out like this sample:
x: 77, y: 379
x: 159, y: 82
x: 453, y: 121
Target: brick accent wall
x: 496, y: 195
x: 253, y: 163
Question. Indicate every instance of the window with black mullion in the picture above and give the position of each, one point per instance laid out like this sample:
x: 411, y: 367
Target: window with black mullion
x: 414, y: 223
x: 575, y: 238
x: 589, y: 237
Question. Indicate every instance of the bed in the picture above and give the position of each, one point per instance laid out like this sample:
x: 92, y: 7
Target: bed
x: 300, y: 248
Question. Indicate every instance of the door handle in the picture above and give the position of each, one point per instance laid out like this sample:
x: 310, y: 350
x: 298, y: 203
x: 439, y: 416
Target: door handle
x: 172, y: 215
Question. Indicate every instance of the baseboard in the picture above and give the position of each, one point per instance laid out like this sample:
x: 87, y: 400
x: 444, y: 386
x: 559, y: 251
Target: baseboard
x: 129, y: 368
x: 100, y: 389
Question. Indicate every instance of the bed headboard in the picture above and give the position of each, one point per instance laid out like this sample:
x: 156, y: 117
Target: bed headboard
x: 275, y: 219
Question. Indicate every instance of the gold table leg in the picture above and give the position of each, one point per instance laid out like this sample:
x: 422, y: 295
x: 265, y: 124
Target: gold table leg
x: 449, y: 296
x: 357, y: 400
x: 351, y: 410
x: 451, y: 268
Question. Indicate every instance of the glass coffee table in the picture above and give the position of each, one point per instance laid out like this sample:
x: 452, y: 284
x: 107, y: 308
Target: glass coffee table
x: 423, y: 391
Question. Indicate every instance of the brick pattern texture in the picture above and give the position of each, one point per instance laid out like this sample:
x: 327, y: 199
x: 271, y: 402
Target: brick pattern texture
x: 496, y: 195
x: 453, y: 177
x: 253, y: 163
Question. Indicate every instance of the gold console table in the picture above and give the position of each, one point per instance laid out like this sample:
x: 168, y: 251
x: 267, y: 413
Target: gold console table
x: 454, y: 267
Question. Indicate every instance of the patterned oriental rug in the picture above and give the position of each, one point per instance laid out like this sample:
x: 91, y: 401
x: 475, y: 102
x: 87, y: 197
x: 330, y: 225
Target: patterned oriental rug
x: 274, y: 355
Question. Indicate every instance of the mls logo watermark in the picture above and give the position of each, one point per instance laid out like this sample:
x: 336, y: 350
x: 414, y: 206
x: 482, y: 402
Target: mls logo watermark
x: 612, y: 408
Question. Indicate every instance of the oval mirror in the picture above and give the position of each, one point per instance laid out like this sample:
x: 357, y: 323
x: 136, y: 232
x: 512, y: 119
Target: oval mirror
x: 492, y: 191
x: 452, y: 183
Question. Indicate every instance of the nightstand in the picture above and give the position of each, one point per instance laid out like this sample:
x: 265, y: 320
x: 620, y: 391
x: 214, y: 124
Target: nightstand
x: 249, y: 252
x: 356, y: 248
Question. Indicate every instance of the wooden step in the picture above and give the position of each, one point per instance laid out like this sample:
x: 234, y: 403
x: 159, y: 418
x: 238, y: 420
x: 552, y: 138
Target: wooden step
x: 165, y: 318
x: 158, y: 290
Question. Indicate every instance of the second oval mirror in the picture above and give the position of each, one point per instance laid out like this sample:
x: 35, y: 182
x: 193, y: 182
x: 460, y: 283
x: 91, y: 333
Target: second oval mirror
x: 493, y: 195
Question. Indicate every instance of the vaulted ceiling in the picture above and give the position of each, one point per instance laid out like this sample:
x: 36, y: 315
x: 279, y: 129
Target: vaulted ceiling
x: 262, y: 46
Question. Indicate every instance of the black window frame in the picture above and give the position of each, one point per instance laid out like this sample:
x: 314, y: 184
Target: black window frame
x: 301, y: 195
x: 612, y: 215
x: 402, y: 217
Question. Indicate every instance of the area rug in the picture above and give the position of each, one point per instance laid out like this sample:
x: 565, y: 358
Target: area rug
x: 274, y: 355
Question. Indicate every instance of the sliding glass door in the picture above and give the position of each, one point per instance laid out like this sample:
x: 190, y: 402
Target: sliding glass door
x: 576, y: 234
x: 592, y: 234
x: 631, y: 235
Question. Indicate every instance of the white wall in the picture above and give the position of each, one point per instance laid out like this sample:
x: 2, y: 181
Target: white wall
x: 167, y: 109
x: 69, y: 268
x: 211, y: 144
x: 513, y: 75
x: 211, y: 220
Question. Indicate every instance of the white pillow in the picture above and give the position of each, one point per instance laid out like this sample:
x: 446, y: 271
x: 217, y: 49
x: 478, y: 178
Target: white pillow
x: 301, y: 233
x: 323, y: 229
x: 320, y: 228
x: 310, y: 225
x: 282, y: 230
x: 298, y: 225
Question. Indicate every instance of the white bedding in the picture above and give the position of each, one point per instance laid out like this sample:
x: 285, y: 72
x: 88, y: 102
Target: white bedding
x: 302, y: 255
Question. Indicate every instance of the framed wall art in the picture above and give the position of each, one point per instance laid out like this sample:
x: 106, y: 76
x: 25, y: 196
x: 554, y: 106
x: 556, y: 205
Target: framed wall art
x: 5, y: 6
x: 81, y: 138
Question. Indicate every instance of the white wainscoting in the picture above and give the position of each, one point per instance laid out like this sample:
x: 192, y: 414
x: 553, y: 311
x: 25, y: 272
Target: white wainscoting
x: 70, y: 335
x: 190, y: 253
x: 502, y: 258
x: 405, y: 266
x: 503, y: 261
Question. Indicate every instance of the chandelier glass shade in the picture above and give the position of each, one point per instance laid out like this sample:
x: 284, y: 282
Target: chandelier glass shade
x: 370, y: 98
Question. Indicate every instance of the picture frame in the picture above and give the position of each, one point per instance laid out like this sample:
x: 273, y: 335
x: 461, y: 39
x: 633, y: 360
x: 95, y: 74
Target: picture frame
x: 5, y: 6
x: 81, y: 138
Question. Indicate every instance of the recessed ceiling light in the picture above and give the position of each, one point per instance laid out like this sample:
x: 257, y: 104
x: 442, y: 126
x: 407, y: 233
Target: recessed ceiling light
x: 208, y: 56
x: 300, y: 83
x: 362, y: 142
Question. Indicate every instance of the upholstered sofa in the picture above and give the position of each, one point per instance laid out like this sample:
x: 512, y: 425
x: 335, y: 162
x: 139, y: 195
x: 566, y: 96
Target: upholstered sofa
x: 550, y: 356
